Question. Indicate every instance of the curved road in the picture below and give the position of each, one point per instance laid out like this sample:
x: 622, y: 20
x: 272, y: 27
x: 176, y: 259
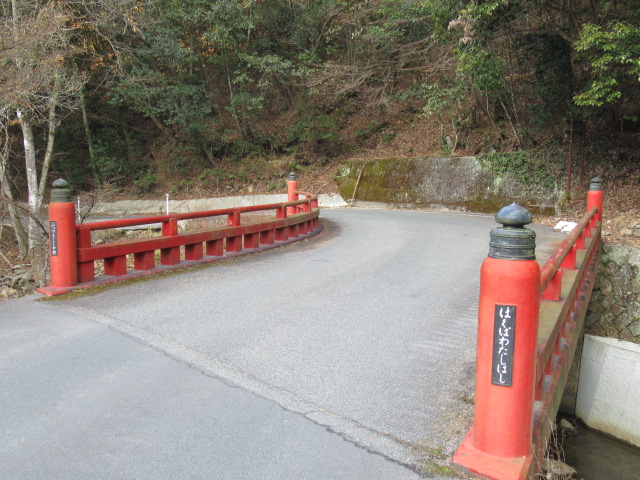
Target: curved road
x: 350, y: 355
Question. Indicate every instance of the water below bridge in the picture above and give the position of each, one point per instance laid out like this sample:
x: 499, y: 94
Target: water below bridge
x: 596, y: 456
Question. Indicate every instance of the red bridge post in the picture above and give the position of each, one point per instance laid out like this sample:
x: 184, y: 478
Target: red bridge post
x: 499, y: 444
x: 62, y: 236
x: 595, y: 199
x: 292, y: 196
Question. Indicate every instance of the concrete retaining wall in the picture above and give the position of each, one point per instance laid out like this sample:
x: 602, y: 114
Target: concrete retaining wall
x: 609, y: 387
x: 158, y: 207
x: 453, y: 183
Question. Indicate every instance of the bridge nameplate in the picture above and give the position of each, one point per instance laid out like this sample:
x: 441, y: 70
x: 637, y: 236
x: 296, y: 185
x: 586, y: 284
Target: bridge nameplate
x: 53, y: 233
x: 504, y: 327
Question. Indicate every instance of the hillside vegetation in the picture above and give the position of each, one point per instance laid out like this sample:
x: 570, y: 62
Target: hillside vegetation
x: 202, y: 98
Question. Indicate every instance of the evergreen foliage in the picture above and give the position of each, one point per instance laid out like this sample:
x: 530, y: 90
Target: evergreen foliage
x: 231, y: 78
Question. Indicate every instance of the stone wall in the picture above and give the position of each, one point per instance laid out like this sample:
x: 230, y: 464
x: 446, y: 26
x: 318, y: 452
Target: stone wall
x: 614, y: 310
x: 454, y: 183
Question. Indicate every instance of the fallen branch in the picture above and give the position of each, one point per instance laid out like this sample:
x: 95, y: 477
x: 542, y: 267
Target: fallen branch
x: 355, y: 189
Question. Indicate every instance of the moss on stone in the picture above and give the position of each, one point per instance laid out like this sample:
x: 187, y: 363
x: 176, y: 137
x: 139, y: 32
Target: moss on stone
x: 461, y: 183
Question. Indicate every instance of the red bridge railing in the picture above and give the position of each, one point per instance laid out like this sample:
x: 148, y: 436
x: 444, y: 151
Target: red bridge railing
x: 73, y: 254
x: 529, y: 322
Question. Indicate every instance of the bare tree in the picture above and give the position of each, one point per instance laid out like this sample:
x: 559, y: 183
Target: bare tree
x: 6, y: 192
x: 36, y: 87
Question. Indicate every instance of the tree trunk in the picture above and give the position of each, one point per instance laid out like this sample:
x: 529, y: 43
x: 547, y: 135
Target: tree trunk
x: 6, y: 192
x: 87, y: 131
x: 51, y: 137
x: 32, y: 173
x: 36, y: 188
x: 35, y: 203
x: 513, y: 127
x: 15, y: 14
x: 18, y: 228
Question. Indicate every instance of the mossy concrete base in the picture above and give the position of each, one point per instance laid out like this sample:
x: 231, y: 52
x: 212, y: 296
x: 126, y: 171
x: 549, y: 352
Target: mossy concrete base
x: 458, y: 183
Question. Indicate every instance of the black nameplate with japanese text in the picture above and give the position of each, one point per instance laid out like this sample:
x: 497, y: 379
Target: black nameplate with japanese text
x: 504, y: 330
x: 53, y: 237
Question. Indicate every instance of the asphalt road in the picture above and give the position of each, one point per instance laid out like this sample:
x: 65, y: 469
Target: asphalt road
x: 347, y: 356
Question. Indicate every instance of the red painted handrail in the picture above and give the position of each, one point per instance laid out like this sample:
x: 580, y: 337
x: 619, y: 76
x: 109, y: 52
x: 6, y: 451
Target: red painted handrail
x: 555, y: 261
x: 132, y: 222
x: 561, y: 320
x: 74, y: 254
x: 558, y: 294
x: 565, y: 305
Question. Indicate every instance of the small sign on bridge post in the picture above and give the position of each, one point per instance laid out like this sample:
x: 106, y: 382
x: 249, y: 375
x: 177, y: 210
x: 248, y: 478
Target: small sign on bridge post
x: 504, y: 331
x: 53, y: 237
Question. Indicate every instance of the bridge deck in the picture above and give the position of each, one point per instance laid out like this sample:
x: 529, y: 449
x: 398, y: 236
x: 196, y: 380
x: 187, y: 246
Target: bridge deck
x: 348, y: 356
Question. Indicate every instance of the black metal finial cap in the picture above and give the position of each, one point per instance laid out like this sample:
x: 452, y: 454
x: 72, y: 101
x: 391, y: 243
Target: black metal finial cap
x: 514, y: 216
x: 596, y: 184
x: 292, y: 177
x: 60, y: 193
x: 512, y: 241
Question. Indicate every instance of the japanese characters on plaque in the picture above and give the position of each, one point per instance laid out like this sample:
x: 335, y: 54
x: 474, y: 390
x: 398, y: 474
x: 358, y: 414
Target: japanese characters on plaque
x: 53, y: 233
x: 504, y: 326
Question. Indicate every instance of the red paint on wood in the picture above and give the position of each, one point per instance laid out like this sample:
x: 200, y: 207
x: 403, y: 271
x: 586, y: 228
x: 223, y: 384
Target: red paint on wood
x: 115, y: 266
x: 169, y: 244
x: 492, y: 466
x: 281, y: 234
x: 508, y: 410
x: 252, y: 240
x: 193, y: 251
x: 170, y: 227
x: 494, y: 453
x: 86, y: 272
x: 267, y: 237
x: 170, y: 256
x: 215, y: 248
x: 86, y: 267
x: 595, y: 198
x: 552, y: 292
x: 62, y: 249
x: 570, y: 260
x: 233, y: 219
x: 144, y: 260
x: 558, y: 257
x: 234, y: 244
x: 292, y: 195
